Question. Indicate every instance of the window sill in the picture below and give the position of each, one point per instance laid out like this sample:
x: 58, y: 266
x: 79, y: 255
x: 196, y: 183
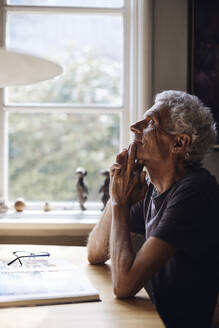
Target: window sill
x: 54, y: 223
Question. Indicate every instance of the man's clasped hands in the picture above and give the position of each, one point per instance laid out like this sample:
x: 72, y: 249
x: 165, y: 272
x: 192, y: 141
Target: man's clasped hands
x: 127, y: 178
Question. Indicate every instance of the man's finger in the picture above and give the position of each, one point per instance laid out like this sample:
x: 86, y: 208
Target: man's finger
x: 131, y: 157
x: 121, y: 158
x: 115, y: 166
x: 115, y: 169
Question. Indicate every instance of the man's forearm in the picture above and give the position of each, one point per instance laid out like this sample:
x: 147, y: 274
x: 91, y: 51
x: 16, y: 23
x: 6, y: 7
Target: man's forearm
x: 98, y: 241
x: 121, y: 250
x: 130, y: 271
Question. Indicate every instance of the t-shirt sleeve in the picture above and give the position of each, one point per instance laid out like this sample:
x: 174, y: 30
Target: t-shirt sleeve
x: 136, y: 221
x: 185, y: 223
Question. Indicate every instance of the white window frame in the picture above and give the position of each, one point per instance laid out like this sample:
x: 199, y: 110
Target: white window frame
x: 137, y: 78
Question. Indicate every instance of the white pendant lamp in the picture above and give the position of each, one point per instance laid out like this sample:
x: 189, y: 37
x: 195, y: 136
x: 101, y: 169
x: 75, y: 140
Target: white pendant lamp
x: 20, y: 69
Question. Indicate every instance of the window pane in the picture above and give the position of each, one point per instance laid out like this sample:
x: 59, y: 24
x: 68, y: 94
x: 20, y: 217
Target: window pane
x: 69, y: 3
x: 46, y: 149
x: 89, y: 47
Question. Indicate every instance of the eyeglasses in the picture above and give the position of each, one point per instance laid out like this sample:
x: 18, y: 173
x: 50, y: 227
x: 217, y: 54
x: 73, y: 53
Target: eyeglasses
x: 24, y: 254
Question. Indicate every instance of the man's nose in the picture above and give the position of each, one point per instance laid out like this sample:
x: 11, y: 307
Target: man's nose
x: 136, y: 127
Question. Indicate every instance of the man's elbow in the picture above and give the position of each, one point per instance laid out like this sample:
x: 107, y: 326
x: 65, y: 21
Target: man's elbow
x: 94, y: 261
x: 122, y: 292
x: 95, y: 258
x: 91, y: 260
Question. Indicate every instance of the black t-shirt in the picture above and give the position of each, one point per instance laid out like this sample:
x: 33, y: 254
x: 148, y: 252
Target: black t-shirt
x: 184, y: 291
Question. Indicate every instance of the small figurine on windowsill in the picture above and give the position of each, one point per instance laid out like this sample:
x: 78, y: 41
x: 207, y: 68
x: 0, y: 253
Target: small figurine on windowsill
x: 81, y: 188
x: 19, y: 205
x: 4, y: 207
x: 104, y: 188
x: 47, y: 207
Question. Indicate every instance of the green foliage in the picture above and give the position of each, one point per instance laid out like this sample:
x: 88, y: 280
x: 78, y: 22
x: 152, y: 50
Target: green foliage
x: 45, y: 149
x: 87, y: 79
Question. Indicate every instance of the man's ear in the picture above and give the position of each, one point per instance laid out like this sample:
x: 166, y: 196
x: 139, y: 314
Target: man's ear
x: 181, y: 143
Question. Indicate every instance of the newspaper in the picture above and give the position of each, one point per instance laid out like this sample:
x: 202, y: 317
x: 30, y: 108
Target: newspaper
x: 43, y: 281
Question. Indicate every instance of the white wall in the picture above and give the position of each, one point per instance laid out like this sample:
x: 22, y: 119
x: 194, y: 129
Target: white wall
x: 170, y: 45
x: 170, y: 55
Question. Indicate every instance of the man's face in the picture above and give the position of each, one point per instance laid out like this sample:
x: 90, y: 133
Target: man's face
x: 153, y: 143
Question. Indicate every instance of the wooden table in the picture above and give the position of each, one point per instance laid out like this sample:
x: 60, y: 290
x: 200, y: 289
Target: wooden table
x: 109, y: 313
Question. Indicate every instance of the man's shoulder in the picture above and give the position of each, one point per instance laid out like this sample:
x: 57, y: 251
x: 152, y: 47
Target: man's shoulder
x: 199, y: 184
x: 198, y: 180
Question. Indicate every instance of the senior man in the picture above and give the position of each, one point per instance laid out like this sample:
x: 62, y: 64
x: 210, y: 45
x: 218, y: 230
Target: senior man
x: 175, y: 207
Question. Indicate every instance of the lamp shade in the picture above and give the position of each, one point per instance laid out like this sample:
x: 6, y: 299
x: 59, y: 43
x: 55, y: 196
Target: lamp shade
x: 20, y: 69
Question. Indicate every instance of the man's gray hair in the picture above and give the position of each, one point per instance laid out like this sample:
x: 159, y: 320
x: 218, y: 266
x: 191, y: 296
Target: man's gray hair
x: 189, y: 115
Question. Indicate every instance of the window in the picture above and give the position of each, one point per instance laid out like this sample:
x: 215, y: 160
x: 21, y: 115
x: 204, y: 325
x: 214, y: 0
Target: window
x: 79, y: 119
